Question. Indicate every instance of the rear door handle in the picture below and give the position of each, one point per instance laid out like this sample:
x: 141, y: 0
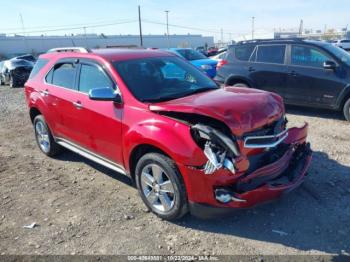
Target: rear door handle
x: 78, y: 105
x: 251, y: 69
x: 44, y: 93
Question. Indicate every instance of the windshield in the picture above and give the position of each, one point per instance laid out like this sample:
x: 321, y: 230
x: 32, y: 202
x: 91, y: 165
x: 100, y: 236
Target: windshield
x: 190, y: 54
x: 340, y: 53
x: 162, y: 78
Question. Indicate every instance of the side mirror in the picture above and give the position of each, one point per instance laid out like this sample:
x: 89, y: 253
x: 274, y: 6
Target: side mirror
x: 329, y: 65
x: 105, y: 94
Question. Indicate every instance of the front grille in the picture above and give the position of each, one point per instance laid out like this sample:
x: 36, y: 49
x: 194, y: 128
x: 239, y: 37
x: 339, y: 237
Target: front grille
x: 265, y: 141
x: 267, y: 137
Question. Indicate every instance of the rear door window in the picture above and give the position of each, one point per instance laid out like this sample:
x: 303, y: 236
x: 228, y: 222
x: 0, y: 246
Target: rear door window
x: 93, y: 77
x: 274, y: 54
x: 64, y: 75
x: 308, y: 56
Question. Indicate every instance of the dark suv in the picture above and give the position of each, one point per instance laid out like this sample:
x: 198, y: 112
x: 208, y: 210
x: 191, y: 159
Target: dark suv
x: 303, y: 72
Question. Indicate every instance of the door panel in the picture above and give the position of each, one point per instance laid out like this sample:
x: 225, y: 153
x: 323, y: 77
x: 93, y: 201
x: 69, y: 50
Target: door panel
x: 269, y: 77
x: 100, y: 121
x: 268, y: 69
x: 308, y: 82
x: 69, y: 116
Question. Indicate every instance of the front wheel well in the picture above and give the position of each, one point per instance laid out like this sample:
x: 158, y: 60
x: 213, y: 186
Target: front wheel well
x: 234, y: 80
x: 346, y: 98
x: 138, y: 152
x: 33, y: 112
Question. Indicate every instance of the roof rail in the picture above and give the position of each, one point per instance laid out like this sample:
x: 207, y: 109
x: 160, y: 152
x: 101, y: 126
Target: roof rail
x: 69, y: 49
x: 272, y: 40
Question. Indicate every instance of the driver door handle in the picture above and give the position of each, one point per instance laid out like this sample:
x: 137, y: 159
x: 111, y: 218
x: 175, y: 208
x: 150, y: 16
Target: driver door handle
x: 78, y: 105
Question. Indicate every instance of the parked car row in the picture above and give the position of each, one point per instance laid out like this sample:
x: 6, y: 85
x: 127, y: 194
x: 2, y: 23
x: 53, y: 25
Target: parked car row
x: 307, y: 73
x: 15, y: 72
x: 197, y: 59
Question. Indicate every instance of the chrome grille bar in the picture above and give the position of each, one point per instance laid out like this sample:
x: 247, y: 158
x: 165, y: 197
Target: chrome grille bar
x: 253, y: 141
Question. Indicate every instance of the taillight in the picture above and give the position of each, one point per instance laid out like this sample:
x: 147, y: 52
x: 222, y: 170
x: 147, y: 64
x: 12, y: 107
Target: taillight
x: 221, y: 63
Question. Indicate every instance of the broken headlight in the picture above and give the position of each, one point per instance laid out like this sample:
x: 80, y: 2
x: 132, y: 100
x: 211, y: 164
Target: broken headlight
x: 217, y: 147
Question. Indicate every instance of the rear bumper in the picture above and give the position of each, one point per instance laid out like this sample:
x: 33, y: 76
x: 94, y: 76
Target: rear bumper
x: 272, y: 180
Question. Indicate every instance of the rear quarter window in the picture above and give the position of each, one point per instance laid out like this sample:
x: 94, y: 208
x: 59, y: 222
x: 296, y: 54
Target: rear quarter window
x: 243, y: 52
x: 38, y: 66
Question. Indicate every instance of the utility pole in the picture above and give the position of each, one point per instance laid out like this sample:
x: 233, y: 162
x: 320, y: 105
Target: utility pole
x: 140, y: 27
x: 253, y: 20
x: 301, y: 27
x: 222, y: 36
x: 167, y: 26
x: 86, y: 43
x: 24, y: 32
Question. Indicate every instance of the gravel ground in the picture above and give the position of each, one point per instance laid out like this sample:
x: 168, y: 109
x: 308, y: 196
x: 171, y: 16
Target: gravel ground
x: 83, y: 208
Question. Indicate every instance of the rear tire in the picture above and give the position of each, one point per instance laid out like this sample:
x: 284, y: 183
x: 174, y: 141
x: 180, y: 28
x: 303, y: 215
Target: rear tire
x: 161, y: 187
x: 346, y: 110
x: 13, y: 82
x: 44, y: 138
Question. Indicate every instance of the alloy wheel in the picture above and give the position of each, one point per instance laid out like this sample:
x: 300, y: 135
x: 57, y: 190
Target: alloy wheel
x: 42, y: 134
x: 157, y: 188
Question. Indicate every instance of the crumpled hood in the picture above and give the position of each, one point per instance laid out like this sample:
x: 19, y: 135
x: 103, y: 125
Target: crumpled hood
x: 241, y: 109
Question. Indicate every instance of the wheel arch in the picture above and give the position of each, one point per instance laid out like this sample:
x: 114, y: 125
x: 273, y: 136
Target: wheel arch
x: 233, y: 79
x: 138, y: 152
x: 33, y: 112
x: 344, y: 96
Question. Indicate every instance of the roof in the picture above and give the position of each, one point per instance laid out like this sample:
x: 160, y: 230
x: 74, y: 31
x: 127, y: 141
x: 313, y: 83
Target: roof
x: 280, y: 41
x: 112, y: 54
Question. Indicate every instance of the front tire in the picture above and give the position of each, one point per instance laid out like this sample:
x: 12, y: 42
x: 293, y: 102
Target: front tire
x: 44, y: 138
x: 161, y: 187
x: 346, y: 110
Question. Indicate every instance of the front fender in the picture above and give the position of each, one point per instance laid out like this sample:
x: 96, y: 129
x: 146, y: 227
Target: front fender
x: 170, y: 136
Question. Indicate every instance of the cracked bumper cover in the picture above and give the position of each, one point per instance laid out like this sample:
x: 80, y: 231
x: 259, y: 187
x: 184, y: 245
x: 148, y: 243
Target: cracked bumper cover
x: 279, y: 177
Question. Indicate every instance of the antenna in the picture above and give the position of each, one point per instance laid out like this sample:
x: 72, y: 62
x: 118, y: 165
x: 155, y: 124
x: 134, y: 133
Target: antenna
x: 22, y: 24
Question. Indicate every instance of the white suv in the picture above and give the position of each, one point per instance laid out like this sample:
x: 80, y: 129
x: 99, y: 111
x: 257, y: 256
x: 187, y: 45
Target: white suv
x: 345, y: 44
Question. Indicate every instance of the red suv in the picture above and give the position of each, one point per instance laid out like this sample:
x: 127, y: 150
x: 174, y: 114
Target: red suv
x: 188, y: 144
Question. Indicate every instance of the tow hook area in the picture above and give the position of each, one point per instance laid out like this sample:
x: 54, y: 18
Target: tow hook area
x: 225, y: 196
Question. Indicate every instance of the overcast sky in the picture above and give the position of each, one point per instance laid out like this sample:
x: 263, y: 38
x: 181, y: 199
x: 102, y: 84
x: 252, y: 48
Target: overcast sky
x: 209, y: 16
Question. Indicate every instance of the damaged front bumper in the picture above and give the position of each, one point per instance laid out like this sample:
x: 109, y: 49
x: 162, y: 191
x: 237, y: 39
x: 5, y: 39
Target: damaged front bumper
x: 269, y: 181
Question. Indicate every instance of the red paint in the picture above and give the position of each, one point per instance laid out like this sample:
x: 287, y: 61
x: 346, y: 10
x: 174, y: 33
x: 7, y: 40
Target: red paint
x: 114, y: 131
